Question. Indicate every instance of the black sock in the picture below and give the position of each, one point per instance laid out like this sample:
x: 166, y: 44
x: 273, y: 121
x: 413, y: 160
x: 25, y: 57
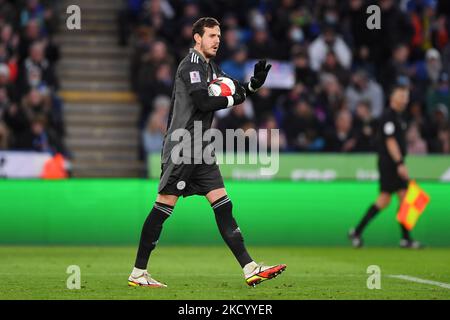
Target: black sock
x: 229, y: 230
x: 371, y: 212
x: 405, y: 233
x: 150, y: 233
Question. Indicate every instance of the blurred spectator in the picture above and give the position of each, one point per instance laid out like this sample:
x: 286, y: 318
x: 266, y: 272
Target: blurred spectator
x: 264, y: 101
x: 235, y: 66
x: 230, y: 43
x: 433, y: 65
x: 36, y: 71
x: 330, y: 99
x: 329, y: 41
x: 396, y: 29
x: 145, y: 38
x: 153, y: 63
x: 35, y: 104
x: 418, y: 117
x: 302, y: 128
x: 236, y: 119
x: 364, y: 127
x: 40, y: 138
x: 332, y: 66
x: 33, y: 11
x: 341, y: 137
x: 267, y: 140
x: 303, y: 73
x: 415, y: 143
x: 443, y: 141
x: 184, y: 40
x: 128, y: 19
x: 29, y: 105
x: 439, y: 94
x: 6, y: 83
x: 157, y: 14
x: 261, y: 46
x: 163, y: 80
x: 8, y: 13
x: 364, y: 61
x: 32, y: 34
x: 357, y: 19
x: 153, y: 133
x: 340, y: 65
x: 16, y: 119
x: 4, y: 137
x: 364, y: 88
x: 397, y: 66
x: 439, y: 125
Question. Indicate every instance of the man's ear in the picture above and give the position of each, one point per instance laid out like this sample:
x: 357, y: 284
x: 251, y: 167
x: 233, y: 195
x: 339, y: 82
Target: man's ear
x: 197, y: 38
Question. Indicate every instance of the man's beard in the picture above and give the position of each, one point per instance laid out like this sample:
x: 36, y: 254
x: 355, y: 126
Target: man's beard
x: 207, y: 54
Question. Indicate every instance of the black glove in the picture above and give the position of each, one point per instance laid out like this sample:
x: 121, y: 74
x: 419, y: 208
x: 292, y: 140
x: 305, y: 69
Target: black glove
x: 239, y: 94
x: 259, y: 74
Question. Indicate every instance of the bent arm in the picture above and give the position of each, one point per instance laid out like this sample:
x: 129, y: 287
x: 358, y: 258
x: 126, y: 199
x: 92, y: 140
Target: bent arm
x: 206, y: 103
x: 394, y: 150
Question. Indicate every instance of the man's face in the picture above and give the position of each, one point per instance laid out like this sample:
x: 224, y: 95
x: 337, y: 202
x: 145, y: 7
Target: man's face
x: 400, y: 99
x: 210, y: 42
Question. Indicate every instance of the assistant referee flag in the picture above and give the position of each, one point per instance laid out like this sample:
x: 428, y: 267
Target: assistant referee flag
x: 413, y: 205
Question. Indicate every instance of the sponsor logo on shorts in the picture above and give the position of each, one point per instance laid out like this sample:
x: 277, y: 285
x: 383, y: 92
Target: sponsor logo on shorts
x: 181, y: 185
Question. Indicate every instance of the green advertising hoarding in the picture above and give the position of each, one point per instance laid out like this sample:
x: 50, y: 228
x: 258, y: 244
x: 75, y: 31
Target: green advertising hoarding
x: 319, y: 167
x: 112, y: 211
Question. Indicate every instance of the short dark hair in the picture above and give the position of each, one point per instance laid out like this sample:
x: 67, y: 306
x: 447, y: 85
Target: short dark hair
x: 202, y: 23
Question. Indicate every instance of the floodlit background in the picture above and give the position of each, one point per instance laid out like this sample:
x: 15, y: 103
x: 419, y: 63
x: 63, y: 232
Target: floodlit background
x: 83, y: 114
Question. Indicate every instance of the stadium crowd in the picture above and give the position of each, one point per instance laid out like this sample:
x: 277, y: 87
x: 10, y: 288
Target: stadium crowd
x: 30, y: 110
x: 343, y: 70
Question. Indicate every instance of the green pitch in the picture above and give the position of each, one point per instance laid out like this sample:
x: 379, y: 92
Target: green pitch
x: 212, y: 273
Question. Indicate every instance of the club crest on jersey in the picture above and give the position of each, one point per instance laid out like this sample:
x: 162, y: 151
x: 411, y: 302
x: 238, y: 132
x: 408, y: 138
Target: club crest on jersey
x: 181, y: 185
x: 195, y: 76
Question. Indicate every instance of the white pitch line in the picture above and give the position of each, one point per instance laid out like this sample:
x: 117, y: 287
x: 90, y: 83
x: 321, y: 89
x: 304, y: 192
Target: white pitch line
x: 418, y: 280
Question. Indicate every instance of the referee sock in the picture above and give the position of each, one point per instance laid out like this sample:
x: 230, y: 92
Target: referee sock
x: 229, y: 230
x: 151, y: 232
x: 370, y: 214
x: 405, y: 233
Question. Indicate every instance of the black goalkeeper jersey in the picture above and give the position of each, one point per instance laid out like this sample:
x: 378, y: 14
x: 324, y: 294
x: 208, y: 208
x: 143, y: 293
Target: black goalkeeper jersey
x: 193, y: 74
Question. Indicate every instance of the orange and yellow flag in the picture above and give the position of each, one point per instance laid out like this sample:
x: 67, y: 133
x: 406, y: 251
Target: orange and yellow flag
x: 413, y: 205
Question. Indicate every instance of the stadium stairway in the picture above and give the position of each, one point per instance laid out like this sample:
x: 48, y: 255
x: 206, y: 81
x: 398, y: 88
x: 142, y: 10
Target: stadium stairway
x: 100, y: 111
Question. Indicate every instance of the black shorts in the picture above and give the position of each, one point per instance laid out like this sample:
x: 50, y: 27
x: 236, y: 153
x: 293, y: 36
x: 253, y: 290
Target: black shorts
x: 189, y: 179
x: 390, y: 181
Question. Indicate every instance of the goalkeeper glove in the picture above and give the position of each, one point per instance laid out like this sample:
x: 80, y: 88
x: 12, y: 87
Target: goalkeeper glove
x: 239, y: 95
x: 259, y: 75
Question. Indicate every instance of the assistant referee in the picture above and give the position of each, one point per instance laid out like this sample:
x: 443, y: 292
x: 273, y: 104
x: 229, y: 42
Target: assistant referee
x: 391, y: 165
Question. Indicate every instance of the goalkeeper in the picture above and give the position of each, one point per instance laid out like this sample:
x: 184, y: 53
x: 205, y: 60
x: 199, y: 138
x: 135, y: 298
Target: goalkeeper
x: 191, y: 103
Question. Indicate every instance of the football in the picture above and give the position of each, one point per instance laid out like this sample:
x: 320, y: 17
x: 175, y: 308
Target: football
x: 221, y: 86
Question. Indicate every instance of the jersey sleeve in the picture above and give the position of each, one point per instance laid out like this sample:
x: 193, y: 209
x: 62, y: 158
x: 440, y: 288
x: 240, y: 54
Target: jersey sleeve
x: 194, y: 76
x: 388, y: 127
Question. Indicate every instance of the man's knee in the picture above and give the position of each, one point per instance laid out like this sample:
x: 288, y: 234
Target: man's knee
x: 215, y: 195
x: 168, y: 199
x: 383, y: 200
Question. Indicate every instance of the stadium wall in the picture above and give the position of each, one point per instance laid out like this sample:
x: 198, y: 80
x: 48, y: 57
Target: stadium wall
x: 316, y: 167
x: 111, y: 212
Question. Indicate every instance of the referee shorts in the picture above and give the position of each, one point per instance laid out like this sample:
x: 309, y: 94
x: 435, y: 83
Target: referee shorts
x: 390, y: 181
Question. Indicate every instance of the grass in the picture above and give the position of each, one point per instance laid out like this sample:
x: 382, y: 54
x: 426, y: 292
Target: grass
x: 35, y: 272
